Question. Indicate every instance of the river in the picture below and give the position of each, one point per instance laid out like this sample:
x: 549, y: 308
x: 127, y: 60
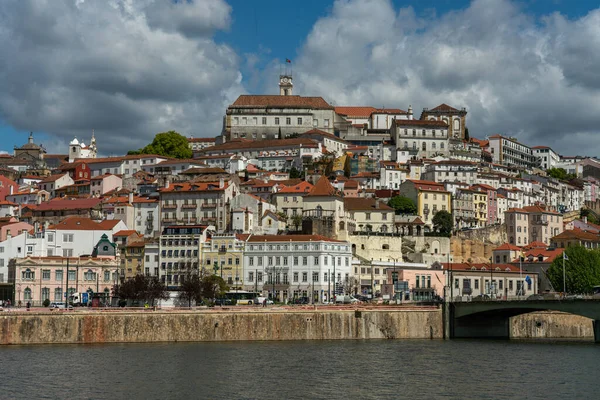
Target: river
x: 374, y: 369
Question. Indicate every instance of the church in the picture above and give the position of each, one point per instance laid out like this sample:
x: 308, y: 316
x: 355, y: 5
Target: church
x: 78, y: 149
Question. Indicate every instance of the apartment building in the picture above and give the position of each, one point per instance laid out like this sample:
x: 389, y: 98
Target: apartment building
x: 509, y: 152
x: 532, y: 224
x: 548, y: 157
x: 290, y: 199
x: 451, y: 171
x: 179, y: 247
x: 426, y: 138
x: 204, y: 203
x: 293, y: 266
x: 370, y: 215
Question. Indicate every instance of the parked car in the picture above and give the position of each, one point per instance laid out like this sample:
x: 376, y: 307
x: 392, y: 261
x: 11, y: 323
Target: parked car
x: 58, y: 304
x: 260, y: 300
x: 223, y: 302
x: 300, y: 300
x: 535, y: 297
x: 347, y: 299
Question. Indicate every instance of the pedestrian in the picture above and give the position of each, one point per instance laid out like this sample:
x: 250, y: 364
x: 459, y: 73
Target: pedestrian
x: 264, y: 302
x: 28, y: 305
x: 19, y: 304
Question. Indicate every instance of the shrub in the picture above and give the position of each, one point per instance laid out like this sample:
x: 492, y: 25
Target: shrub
x: 46, y: 303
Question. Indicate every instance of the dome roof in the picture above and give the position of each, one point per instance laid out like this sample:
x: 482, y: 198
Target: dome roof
x: 74, y: 142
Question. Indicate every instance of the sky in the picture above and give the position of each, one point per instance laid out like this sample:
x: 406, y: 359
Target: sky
x: 129, y: 69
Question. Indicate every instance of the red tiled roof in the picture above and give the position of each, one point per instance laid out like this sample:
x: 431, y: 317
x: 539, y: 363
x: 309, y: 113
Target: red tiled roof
x: 428, y: 185
x: 536, y: 245
x: 120, y: 158
x: 507, y: 246
x: 355, y: 111
x: 125, y: 232
x: 389, y: 111
x: 539, y: 209
x: 481, y: 143
x: 275, y: 101
x: 290, y: 238
x: 322, y: 188
x: 302, y: 187
x: 482, y: 267
x: 201, y: 140
x: 68, y: 204
x: 194, y: 187
x: 360, y: 203
x: 351, y: 184
x: 577, y: 234
x: 82, y: 224
x: 52, y: 178
x: 319, y: 132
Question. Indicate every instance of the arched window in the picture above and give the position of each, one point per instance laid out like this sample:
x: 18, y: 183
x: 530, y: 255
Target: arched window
x: 406, y: 144
x: 414, y: 132
x: 319, y: 211
x: 385, y: 247
x: 424, y: 133
x: 442, y: 145
x: 27, y: 294
x: 342, y: 225
x: 433, y: 146
x: 384, y: 229
x: 414, y: 145
x: 457, y: 124
x: 424, y: 146
x: 512, y: 240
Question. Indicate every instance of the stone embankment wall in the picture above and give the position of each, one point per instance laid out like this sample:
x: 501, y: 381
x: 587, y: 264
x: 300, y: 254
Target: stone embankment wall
x: 111, y: 327
x: 551, y: 325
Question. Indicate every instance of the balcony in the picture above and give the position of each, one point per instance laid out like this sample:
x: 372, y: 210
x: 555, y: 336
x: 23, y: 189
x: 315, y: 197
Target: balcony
x: 222, y: 250
x: 209, y: 205
x: 168, y: 220
x: 467, y: 291
x: 169, y: 206
x: 189, y: 206
x: 540, y: 222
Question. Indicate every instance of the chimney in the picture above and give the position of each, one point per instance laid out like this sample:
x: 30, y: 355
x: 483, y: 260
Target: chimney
x: 221, y: 183
x: 130, y: 197
x: 167, y: 183
x: 377, y: 204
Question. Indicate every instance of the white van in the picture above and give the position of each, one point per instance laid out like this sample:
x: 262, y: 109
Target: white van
x: 347, y: 299
x: 57, y: 304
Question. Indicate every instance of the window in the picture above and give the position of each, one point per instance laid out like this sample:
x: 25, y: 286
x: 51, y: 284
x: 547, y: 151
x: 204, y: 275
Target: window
x: 51, y: 237
x: 276, y: 120
x: 45, y: 294
x: 68, y: 237
x: 299, y: 121
x: 315, y: 277
x: 315, y: 123
x: 27, y: 294
x: 46, y: 275
x: 72, y: 275
x: 288, y: 121
x: 295, y: 277
x: 368, y: 216
x: 305, y: 277
x: 251, y: 261
x: 251, y: 276
x: 259, y: 276
x: 58, y: 276
x: 264, y: 120
x: 304, y: 260
x: 106, y: 276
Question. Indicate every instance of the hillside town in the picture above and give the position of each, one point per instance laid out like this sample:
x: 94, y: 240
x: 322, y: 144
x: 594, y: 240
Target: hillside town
x: 299, y: 200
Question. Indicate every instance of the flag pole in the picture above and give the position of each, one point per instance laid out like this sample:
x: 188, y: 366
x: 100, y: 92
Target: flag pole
x: 521, y: 272
x: 564, y: 276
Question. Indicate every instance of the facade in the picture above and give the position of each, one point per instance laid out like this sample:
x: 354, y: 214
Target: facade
x: 370, y: 215
x: 54, y: 182
x: 492, y: 202
x: 223, y: 255
x: 509, y: 152
x: 290, y: 199
x: 139, y: 213
x: 294, y: 266
x: 423, y: 137
x: 102, y: 184
x: 200, y: 143
x: 548, y: 158
x: 261, y: 117
x: 126, y: 166
x: 451, y: 171
x: 532, y: 224
x: 456, y: 120
x: 576, y: 237
x: 202, y: 202
x: 463, y: 209
x: 50, y: 278
x: 179, y: 247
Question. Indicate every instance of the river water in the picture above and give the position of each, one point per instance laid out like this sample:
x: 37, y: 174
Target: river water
x: 386, y: 369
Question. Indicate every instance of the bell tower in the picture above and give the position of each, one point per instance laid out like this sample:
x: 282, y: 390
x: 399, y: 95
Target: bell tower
x: 285, y: 85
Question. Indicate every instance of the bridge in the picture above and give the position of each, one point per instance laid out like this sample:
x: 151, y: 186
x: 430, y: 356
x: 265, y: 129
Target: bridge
x: 491, y: 319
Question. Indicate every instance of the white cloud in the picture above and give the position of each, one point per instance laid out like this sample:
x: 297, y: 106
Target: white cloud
x: 517, y: 75
x: 126, y: 69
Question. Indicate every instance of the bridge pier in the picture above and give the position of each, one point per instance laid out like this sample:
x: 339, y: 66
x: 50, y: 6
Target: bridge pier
x: 596, y: 331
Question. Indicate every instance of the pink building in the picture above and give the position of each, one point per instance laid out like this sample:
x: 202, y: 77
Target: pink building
x: 10, y: 226
x: 423, y: 284
x: 38, y: 279
x: 492, y: 206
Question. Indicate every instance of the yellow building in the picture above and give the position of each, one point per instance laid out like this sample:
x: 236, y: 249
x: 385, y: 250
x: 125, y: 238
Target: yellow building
x: 480, y: 206
x: 429, y: 197
x: 223, y: 254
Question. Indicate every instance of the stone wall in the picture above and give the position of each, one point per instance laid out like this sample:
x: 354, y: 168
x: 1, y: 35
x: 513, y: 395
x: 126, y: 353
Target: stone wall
x: 106, y: 327
x: 477, y: 244
x: 551, y: 324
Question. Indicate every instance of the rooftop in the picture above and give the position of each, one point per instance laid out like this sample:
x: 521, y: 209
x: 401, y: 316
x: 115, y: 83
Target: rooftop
x: 276, y: 101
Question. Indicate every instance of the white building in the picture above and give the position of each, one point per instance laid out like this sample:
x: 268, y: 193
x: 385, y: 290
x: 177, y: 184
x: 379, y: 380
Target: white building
x: 451, y: 171
x: 125, y: 165
x: 78, y: 150
x: 509, y: 152
x: 294, y: 266
x: 261, y: 117
x: 425, y: 138
x: 53, y: 182
x: 548, y: 157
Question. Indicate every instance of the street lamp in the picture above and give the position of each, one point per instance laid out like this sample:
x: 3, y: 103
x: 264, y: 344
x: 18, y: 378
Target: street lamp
x: 394, y: 274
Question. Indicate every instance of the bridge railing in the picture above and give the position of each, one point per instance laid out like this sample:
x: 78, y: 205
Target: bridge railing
x: 530, y: 297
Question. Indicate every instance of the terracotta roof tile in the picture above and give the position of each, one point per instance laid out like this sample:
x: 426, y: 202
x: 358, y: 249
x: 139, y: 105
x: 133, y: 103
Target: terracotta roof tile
x: 81, y: 224
x: 276, y: 101
x: 420, y: 122
x: 364, y: 204
x: 194, y: 187
x: 355, y: 111
x: 302, y: 187
x: 290, y: 238
x: 323, y: 188
x: 235, y: 145
x: 444, y: 107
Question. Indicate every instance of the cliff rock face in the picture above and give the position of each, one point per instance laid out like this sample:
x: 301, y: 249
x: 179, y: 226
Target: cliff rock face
x: 98, y: 327
x: 477, y: 244
x: 551, y: 325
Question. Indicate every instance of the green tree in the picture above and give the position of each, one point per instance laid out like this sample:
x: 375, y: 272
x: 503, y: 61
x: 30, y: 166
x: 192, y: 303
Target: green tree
x: 294, y: 173
x: 297, y: 221
x: 582, y: 270
x: 442, y: 223
x: 190, y: 289
x: 213, y: 287
x: 155, y: 290
x: 403, y: 205
x: 168, y: 144
x: 557, y: 173
x: 142, y: 288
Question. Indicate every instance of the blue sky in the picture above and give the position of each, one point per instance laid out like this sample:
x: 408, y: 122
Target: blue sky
x: 60, y: 77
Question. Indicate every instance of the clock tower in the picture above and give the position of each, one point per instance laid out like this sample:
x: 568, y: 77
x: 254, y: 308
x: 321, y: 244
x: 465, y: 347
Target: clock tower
x: 285, y: 85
